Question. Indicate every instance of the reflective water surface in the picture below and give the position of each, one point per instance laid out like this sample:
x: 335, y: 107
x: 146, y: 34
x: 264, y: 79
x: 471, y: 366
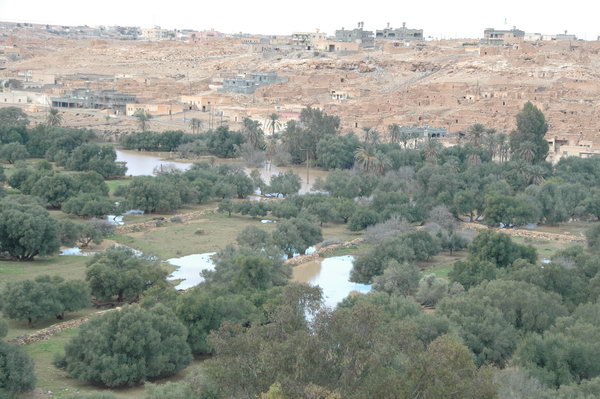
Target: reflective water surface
x: 143, y: 164
x: 189, y: 268
x: 332, y: 275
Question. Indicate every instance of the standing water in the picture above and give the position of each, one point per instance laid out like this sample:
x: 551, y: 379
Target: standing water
x: 189, y: 268
x: 144, y: 163
x: 332, y: 275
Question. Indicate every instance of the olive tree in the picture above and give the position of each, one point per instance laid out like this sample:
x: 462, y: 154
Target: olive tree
x: 398, y: 278
x: 128, y: 346
x: 26, y: 230
x: 16, y: 371
x: 285, y: 183
x: 12, y: 152
x: 296, y: 235
x: 431, y: 290
x: 43, y: 298
x: 118, y: 274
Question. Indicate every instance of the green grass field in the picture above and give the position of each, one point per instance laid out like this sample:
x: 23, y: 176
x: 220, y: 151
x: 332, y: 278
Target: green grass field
x: 439, y: 271
x: 50, y: 378
x: 181, y: 239
x: 545, y: 249
x: 218, y: 231
x: 68, y: 267
x: 17, y: 328
x: 116, y: 183
x: 209, y: 233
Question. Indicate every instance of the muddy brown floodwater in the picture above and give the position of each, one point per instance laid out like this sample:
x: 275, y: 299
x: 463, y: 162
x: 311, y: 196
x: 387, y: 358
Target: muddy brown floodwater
x: 143, y: 164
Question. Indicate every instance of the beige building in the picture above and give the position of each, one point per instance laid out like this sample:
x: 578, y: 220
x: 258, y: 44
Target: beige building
x: 13, y: 98
x: 24, y: 97
x: 307, y: 40
x: 157, y: 34
x: 332, y: 46
x: 153, y: 109
x: 561, y: 147
x: 204, y: 102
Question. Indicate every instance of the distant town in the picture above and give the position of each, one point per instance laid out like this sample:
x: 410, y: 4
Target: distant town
x: 372, y: 78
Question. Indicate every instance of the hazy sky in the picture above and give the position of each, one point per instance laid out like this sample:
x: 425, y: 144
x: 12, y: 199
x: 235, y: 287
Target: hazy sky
x: 439, y: 18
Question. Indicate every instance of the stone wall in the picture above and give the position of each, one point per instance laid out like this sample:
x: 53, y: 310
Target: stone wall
x: 46, y: 333
x: 536, y: 235
x: 131, y: 228
x: 319, y: 253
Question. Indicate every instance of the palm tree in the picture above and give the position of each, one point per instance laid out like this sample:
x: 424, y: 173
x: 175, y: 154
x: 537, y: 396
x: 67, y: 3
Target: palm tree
x: 474, y: 133
x: 273, y: 123
x: 452, y: 164
x: 253, y: 132
x: 367, y: 131
x: 431, y: 150
x: 527, y: 151
x: 271, y: 148
x: 195, y: 124
x: 381, y: 163
x: 474, y: 158
x: 535, y: 174
x: 143, y: 119
x: 415, y: 136
x: 491, y: 145
x: 405, y: 137
x: 366, y: 158
x: 503, y: 146
x: 394, y: 133
x: 54, y: 118
x: 375, y: 136
x: 521, y: 167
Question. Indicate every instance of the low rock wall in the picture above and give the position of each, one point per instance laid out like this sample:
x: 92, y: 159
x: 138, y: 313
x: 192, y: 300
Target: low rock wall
x: 298, y: 260
x: 537, y: 235
x: 185, y: 217
x: 46, y: 333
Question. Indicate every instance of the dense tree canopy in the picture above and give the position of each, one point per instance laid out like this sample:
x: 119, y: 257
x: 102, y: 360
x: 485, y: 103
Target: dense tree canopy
x: 296, y: 235
x: 118, y: 274
x: 128, y: 346
x: 26, y: 229
x: 528, y: 141
x: 43, y: 298
x: 16, y: 370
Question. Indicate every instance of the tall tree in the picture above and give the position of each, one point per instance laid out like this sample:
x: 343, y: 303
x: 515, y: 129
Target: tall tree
x: 394, y: 133
x: 273, y: 123
x: 142, y: 118
x: 54, y: 118
x: 254, y: 134
x: 531, y: 128
x: 366, y: 157
x: 195, y: 125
